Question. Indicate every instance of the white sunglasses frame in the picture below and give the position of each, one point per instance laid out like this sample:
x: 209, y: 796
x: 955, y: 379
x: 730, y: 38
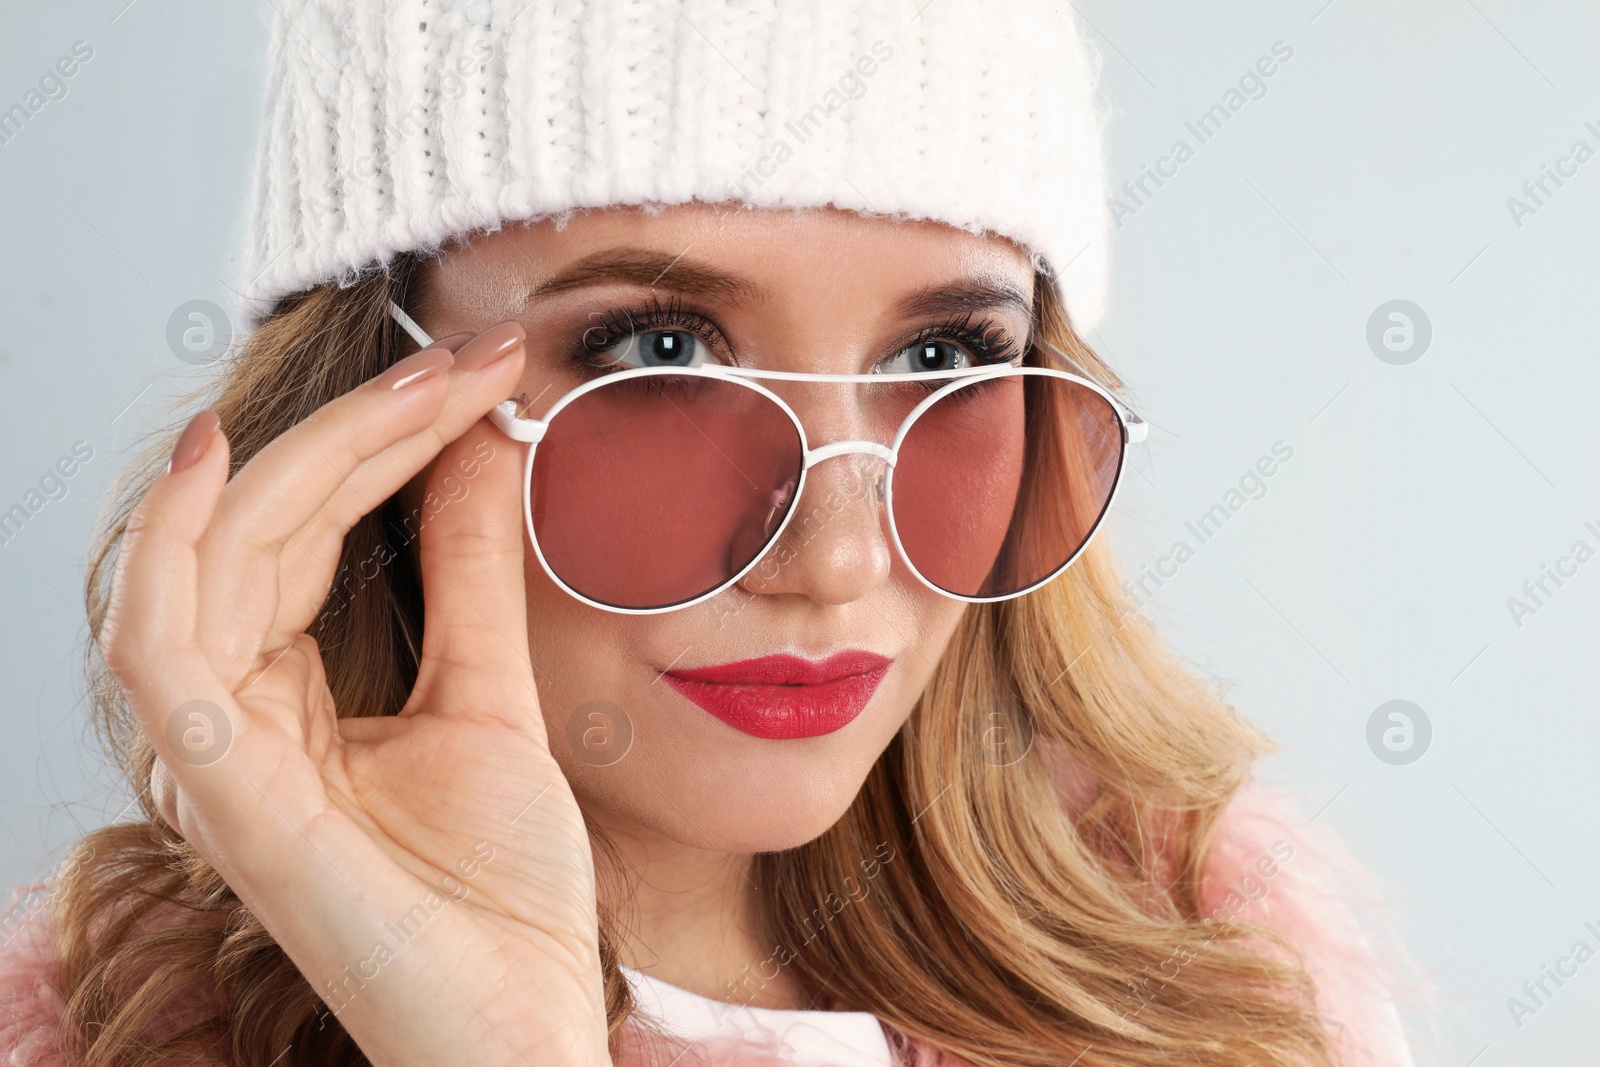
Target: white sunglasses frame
x: 510, y: 421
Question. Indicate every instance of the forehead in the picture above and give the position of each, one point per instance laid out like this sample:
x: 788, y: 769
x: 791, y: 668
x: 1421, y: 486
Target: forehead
x: 771, y: 255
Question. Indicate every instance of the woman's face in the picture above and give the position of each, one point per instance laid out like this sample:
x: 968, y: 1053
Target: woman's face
x: 716, y: 764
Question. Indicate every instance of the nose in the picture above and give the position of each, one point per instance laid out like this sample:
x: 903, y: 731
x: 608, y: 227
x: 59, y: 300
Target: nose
x: 833, y: 549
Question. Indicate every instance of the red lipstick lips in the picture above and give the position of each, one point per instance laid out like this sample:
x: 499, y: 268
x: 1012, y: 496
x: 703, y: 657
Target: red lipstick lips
x: 785, y: 697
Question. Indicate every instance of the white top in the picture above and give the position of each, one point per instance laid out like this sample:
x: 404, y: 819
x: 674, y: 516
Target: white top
x: 808, y: 1038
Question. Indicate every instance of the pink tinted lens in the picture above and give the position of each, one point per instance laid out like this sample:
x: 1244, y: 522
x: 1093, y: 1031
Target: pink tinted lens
x: 656, y: 489
x: 1001, y: 482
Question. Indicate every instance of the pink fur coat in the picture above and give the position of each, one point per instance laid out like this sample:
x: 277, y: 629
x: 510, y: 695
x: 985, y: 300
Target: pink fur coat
x: 1268, y: 864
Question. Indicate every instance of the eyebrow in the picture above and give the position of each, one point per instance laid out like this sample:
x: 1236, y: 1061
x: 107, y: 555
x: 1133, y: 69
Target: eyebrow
x: 657, y: 269
x: 964, y: 297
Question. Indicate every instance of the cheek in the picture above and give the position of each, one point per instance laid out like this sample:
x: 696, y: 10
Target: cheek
x: 573, y: 648
x: 926, y: 619
x: 935, y: 622
x: 568, y: 651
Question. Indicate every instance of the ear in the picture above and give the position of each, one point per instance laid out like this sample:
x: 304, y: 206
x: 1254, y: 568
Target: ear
x: 164, y: 791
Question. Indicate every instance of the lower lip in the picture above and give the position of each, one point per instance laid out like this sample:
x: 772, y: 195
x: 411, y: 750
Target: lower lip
x: 784, y: 712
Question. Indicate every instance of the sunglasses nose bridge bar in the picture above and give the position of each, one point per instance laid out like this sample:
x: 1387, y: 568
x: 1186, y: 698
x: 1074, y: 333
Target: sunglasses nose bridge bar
x: 833, y: 449
x: 814, y: 456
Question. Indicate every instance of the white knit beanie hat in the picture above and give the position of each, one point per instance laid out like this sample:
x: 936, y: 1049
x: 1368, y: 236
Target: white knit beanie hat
x: 393, y: 125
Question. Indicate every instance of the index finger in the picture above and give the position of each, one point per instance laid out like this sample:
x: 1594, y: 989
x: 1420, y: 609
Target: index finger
x: 365, y: 444
x: 273, y: 546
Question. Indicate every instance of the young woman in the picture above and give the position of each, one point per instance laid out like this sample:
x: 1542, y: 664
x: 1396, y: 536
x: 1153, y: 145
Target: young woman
x: 749, y: 687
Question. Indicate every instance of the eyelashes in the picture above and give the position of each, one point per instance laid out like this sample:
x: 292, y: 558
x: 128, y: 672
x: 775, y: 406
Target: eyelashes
x: 988, y: 340
x: 610, y: 328
x: 984, y: 337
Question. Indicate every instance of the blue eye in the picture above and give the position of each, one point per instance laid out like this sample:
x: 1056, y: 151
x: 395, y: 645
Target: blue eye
x: 660, y: 348
x: 930, y: 355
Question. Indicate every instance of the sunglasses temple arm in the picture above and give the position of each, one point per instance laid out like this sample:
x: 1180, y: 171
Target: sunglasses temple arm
x: 504, y: 414
x: 409, y: 325
x: 1133, y: 426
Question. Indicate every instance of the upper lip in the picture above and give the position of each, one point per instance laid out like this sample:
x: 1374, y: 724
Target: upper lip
x: 786, y: 669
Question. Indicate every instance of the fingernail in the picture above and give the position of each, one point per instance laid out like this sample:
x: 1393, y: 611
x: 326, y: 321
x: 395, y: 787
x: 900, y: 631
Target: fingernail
x: 490, y: 345
x: 193, y: 441
x: 414, y: 368
x: 453, y: 341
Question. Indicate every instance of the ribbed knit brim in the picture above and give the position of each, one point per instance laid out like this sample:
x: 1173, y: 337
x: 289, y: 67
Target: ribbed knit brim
x: 392, y: 126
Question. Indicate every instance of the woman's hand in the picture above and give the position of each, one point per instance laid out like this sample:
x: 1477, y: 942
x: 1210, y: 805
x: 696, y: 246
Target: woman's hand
x: 428, y: 872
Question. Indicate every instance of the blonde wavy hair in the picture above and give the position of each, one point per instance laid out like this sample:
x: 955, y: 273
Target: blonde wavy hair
x: 1008, y: 930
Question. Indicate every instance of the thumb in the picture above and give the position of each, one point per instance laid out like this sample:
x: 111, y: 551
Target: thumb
x: 470, y: 527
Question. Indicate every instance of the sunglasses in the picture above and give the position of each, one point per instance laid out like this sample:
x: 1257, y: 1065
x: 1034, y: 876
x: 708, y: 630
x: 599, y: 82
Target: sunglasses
x: 652, y: 489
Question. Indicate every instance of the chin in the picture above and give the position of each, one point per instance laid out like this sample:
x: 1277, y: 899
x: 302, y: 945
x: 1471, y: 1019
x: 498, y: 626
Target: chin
x: 748, y: 795
x: 776, y: 814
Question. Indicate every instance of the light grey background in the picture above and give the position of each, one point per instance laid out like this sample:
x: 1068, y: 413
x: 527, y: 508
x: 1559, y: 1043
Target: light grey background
x: 1377, y: 565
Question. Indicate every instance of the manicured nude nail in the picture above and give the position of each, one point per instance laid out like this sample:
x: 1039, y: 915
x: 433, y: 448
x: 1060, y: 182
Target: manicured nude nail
x: 453, y: 341
x: 490, y: 345
x: 193, y: 441
x: 414, y: 368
